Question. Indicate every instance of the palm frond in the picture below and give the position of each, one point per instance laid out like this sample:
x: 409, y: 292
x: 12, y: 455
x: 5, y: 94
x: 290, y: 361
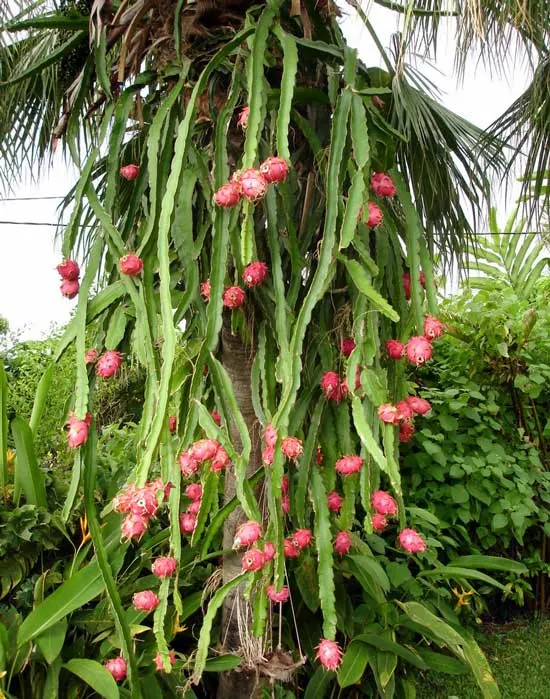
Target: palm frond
x: 526, y: 125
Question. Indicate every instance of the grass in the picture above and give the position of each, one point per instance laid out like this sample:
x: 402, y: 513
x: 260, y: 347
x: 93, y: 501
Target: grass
x: 519, y: 655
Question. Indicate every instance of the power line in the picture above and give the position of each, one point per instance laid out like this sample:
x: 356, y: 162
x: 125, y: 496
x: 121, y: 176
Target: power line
x: 29, y: 198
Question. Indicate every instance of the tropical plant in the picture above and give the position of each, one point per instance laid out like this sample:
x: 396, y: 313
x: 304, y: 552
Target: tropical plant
x: 150, y: 117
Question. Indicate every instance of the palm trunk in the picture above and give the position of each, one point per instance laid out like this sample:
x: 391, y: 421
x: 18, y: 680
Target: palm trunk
x: 237, y: 360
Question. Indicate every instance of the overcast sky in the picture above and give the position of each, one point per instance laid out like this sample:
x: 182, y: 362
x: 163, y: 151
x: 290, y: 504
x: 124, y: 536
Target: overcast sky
x: 29, y: 285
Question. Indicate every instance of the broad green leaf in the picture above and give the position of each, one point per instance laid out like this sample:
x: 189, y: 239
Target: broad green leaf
x: 222, y: 663
x: 453, y: 572
x: 95, y: 675
x: 442, y: 663
x: 40, y: 398
x: 389, y: 646
x: 353, y: 664
x: 51, y: 641
x: 489, y: 563
x: 318, y: 684
x: 371, y: 567
x: 28, y: 476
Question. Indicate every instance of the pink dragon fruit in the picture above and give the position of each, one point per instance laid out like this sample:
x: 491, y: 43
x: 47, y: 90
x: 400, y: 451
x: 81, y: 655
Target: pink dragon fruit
x: 117, y: 668
x: 228, y: 195
x: 348, y: 465
x: 216, y: 417
x: 254, y: 274
x: 270, y: 435
x: 159, y: 665
x: 145, y: 601
x: 285, y: 504
x: 329, y: 654
x: 330, y: 385
x: 404, y: 410
x: 375, y: 217
x: 205, y: 290
x: 253, y: 560
x: 379, y: 522
x: 188, y: 465
x: 274, y: 169
x: 194, y: 491
x: 292, y: 448
x: 204, y: 450
x: 342, y: 543
x: 253, y: 184
x: 290, y: 550
x: 301, y: 539
x: 334, y: 501
x: 69, y: 288
x: 220, y: 461
x: 269, y: 550
x: 395, y: 349
x: 187, y: 522
x: 78, y: 432
x: 172, y: 424
x: 382, y: 185
x: 131, y: 265
x: 389, y: 413
x: 233, y: 297
x: 194, y: 508
x: 433, y: 328
x: 243, y: 117
x: 406, y: 431
x: 347, y: 346
x: 90, y: 356
x: 275, y: 596
x: 411, y: 541
x: 268, y: 454
x: 69, y: 270
x: 108, y: 364
x: 247, y: 534
x: 419, y: 350
x: 133, y: 526
x: 164, y: 566
x: 420, y: 406
x: 130, y: 172
x: 383, y: 503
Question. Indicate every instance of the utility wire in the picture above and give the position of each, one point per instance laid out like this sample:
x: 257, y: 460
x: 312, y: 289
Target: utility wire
x: 28, y: 198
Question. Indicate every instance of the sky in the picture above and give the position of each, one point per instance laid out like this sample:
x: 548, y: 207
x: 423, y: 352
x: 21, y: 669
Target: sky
x: 29, y: 284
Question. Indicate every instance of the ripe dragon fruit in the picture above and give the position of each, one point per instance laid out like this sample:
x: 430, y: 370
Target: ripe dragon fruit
x: 433, y: 328
x: 228, y: 195
x: 253, y: 184
x: 411, y: 541
x: 243, y: 117
x: 406, y: 431
x: 172, y: 424
x: 247, y: 534
x: 233, y: 297
x: 78, y: 431
x: 133, y: 526
x: 330, y: 385
x: 253, y: 560
x: 389, y: 413
x: 383, y: 503
x: 375, y: 217
x: 145, y: 601
x: 342, y: 543
x: 254, y: 274
x: 348, y: 465
x: 329, y: 654
x: 131, y: 265
x: 68, y: 270
x: 285, y: 504
x: 290, y: 550
x: 108, y: 364
x: 164, y: 566
x: 90, y: 356
x: 269, y: 551
x: 69, y: 288
x: 130, y: 172
x: 301, y: 538
x: 395, y: 349
x: 274, y: 169
x: 334, y: 501
x: 420, y: 406
x: 379, y: 522
x: 275, y: 596
x: 404, y: 410
x: 117, y: 667
x: 205, y: 290
x: 419, y: 350
x: 347, y: 346
x: 188, y: 465
x: 194, y: 491
x: 292, y: 448
x: 382, y: 185
x: 159, y: 665
x: 187, y: 522
x: 204, y: 450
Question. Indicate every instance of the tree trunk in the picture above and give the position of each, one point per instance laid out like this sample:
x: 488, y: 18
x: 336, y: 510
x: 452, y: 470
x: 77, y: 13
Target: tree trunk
x: 237, y: 360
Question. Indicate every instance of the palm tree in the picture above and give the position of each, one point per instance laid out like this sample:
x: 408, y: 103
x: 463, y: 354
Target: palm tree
x: 160, y: 83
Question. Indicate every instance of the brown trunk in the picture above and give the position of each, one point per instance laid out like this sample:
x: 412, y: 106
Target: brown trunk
x: 237, y: 360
